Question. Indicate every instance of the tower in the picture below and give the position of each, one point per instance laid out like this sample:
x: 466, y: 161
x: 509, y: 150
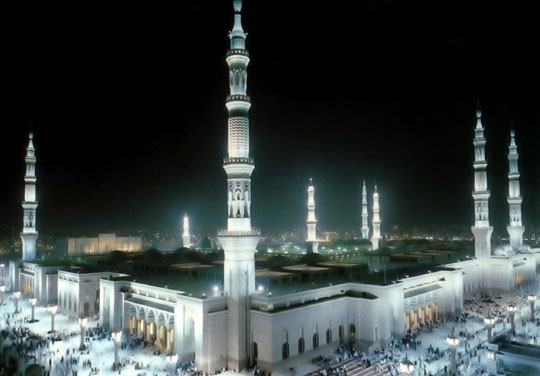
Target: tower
x: 376, y: 237
x: 515, y: 229
x: 29, y: 233
x: 481, y: 230
x: 312, y: 244
x: 365, y: 228
x: 239, y: 240
x: 186, y: 239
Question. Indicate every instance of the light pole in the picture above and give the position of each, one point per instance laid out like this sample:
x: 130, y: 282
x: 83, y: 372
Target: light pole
x: 453, y: 343
x: 489, y: 321
x: 512, y: 312
x: 82, y: 323
x: 33, y: 302
x: 406, y: 367
x: 52, y: 311
x: 531, y: 298
x: 172, y: 359
x: 2, y: 290
x: 17, y: 295
x: 117, y: 338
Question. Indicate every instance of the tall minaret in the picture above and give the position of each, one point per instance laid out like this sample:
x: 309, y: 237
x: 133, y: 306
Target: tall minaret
x: 239, y: 240
x: 186, y: 239
x: 515, y: 229
x: 312, y: 244
x: 29, y: 233
x: 481, y: 230
x: 376, y: 221
x: 365, y: 228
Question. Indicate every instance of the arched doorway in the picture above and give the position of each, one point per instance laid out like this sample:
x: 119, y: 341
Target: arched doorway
x: 254, y: 351
x: 352, y: 330
x: 162, y: 337
x: 315, y: 340
x: 285, y: 351
x: 341, y: 334
x: 328, y: 335
x: 301, y: 345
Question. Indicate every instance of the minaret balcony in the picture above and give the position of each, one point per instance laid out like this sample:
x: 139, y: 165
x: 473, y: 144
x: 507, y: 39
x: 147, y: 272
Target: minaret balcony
x: 229, y: 233
x: 228, y: 161
x: 237, y: 51
x: 238, y: 97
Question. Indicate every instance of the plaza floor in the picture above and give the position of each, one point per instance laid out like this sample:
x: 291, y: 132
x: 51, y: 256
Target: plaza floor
x: 100, y: 352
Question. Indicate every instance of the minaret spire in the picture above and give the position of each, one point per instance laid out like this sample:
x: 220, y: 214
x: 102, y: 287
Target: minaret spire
x: 29, y: 233
x: 376, y: 237
x: 481, y: 230
x: 239, y: 240
x: 186, y: 238
x: 312, y: 244
x: 365, y: 228
x: 515, y: 229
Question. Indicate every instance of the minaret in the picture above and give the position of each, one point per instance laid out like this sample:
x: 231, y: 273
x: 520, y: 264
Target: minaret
x: 312, y: 244
x: 186, y: 239
x: 365, y: 228
x: 239, y: 240
x: 515, y: 229
x: 29, y: 233
x: 481, y: 230
x: 376, y: 222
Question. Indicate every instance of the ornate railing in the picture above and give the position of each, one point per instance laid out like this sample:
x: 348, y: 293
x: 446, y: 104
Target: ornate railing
x: 237, y: 51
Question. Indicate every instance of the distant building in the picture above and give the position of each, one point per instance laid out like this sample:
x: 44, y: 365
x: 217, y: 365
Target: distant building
x: 103, y: 243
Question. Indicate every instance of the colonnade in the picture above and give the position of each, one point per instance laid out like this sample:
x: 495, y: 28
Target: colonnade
x: 421, y: 316
x: 147, y: 330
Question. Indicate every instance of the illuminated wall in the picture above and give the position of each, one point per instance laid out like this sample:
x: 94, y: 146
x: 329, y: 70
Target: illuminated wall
x: 104, y: 243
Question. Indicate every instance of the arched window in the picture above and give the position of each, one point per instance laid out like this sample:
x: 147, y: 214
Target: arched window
x: 315, y: 340
x: 352, y: 330
x: 301, y: 345
x: 285, y: 351
x: 328, y: 335
x: 341, y: 334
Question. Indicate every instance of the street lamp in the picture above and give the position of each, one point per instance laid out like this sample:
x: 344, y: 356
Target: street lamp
x: 406, y: 367
x: 453, y: 343
x: 172, y: 359
x: 489, y: 321
x: 512, y: 312
x: 531, y: 298
x: 52, y: 310
x: 33, y: 302
x: 82, y: 323
x: 117, y: 338
x: 17, y: 295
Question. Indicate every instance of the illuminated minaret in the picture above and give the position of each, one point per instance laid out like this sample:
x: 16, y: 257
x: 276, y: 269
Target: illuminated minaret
x: 365, y: 228
x: 239, y: 240
x: 312, y: 244
x: 29, y: 233
x: 376, y: 221
x: 481, y: 230
x: 515, y: 229
x: 186, y: 239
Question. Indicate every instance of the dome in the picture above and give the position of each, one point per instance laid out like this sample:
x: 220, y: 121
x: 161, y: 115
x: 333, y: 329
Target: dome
x: 204, y: 243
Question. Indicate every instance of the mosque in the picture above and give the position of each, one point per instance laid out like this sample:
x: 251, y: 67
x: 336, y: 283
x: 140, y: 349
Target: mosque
x: 234, y: 323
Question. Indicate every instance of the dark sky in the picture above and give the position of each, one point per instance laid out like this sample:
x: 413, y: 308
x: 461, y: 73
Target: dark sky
x: 127, y: 105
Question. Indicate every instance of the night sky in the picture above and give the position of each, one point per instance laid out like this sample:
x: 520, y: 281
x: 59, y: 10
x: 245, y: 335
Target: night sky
x: 128, y: 109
